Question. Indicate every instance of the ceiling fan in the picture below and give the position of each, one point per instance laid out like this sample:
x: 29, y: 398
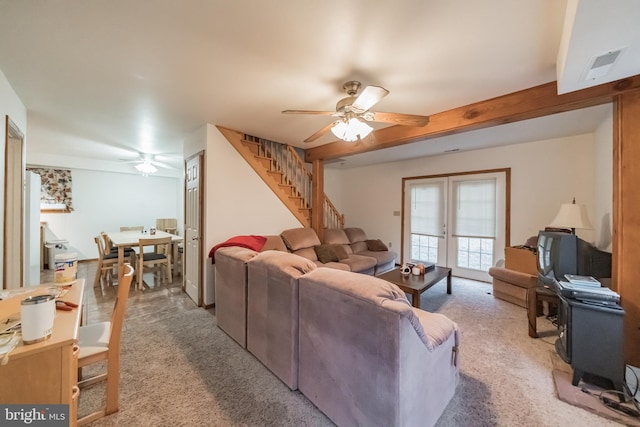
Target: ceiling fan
x: 353, y: 113
x: 147, y: 163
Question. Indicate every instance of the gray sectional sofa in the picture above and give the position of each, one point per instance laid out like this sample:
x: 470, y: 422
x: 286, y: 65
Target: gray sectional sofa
x: 351, y: 343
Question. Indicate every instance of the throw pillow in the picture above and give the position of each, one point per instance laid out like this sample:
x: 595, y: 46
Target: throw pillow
x: 376, y: 245
x: 340, y: 252
x: 325, y: 253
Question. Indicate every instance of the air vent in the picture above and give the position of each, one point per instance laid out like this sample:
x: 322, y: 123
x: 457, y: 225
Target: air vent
x: 453, y: 150
x: 601, y: 64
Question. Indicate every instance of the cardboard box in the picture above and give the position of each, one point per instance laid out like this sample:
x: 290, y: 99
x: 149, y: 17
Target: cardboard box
x: 522, y: 260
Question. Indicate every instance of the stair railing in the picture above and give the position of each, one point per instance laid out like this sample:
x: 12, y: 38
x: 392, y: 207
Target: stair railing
x: 285, y: 160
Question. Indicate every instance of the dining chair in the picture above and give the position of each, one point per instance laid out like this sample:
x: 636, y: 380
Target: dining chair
x: 100, y: 342
x: 106, y: 262
x: 160, y: 257
x: 109, y: 248
x: 133, y: 228
x: 169, y: 225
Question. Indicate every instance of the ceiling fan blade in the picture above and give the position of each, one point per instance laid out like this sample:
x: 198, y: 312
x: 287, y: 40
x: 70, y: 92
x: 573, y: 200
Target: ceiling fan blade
x: 400, y: 119
x: 161, y: 165
x: 322, y: 113
x: 320, y: 133
x: 369, y: 97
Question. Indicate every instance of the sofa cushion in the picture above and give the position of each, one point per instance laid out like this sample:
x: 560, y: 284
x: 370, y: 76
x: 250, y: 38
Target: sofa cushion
x: 274, y: 243
x: 340, y: 251
x: 361, y: 264
x: 308, y: 253
x: 359, y: 247
x: 300, y: 238
x: 284, y: 262
x: 355, y: 235
x: 336, y: 236
x: 326, y: 253
x: 376, y: 245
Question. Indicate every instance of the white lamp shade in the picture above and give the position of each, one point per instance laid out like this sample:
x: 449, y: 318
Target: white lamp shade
x: 146, y: 168
x: 571, y: 215
x: 352, y: 130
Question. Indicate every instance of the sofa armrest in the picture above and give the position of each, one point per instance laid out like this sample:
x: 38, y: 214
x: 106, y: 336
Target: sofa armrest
x: 523, y: 280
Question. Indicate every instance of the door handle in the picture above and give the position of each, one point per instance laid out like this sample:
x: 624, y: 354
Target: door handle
x: 194, y: 238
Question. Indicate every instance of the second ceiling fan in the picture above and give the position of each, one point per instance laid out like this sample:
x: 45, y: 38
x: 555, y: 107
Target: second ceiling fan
x: 353, y: 113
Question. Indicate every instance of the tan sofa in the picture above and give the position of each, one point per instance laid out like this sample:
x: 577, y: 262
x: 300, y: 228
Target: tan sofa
x: 513, y: 282
x: 231, y: 286
x: 372, y: 359
x: 351, y: 343
x: 231, y: 269
x: 512, y: 286
x: 356, y: 256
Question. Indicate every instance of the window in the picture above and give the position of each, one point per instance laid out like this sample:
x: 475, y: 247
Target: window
x: 55, y: 190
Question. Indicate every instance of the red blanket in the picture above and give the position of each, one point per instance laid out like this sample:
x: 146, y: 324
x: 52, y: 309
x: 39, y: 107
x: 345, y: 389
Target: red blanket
x: 250, y: 242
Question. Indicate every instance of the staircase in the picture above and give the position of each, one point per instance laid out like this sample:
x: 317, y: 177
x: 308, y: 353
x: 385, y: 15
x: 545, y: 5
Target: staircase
x: 282, y: 169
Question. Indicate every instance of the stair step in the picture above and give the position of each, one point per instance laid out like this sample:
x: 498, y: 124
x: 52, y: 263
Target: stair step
x: 265, y: 161
x: 289, y: 189
x: 253, y: 146
x: 305, y: 211
x: 296, y: 199
x: 275, y: 175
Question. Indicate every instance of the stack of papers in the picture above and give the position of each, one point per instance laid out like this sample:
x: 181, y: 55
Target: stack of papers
x: 582, y: 280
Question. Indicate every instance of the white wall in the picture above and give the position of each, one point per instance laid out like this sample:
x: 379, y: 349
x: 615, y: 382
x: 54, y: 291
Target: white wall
x: 544, y: 174
x: 104, y: 201
x: 12, y: 106
x: 237, y: 202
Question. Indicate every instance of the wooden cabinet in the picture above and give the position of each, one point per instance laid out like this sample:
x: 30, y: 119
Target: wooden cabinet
x: 45, y: 372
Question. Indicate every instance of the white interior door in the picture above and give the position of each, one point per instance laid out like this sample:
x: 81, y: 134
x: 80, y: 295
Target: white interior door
x: 13, y: 259
x: 192, y: 235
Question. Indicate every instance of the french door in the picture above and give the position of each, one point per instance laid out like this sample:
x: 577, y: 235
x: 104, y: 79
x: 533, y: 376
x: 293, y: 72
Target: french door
x: 456, y: 221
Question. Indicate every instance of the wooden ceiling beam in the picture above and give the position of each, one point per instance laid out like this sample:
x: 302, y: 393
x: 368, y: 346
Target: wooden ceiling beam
x: 526, y: 104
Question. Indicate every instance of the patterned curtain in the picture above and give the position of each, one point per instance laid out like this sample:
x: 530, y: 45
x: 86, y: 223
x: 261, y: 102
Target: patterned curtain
x: 56, y: 186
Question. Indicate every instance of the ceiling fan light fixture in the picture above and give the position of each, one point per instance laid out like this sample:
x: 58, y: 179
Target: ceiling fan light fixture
x: 146, y: 167
x: 351, y: 130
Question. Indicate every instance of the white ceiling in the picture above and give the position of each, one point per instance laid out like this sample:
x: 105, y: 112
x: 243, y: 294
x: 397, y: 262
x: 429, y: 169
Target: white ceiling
x: 105, y: 79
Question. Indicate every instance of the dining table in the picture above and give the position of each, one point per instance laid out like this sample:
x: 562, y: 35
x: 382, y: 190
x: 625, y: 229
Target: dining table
x: 129, y: 239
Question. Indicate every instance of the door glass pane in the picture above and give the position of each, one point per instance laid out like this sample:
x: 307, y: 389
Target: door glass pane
x: 424, y: 248
x: 475, y: 253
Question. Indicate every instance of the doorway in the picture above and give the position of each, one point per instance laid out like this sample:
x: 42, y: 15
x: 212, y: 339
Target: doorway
x: 459, y: 221
x: 13, y: 260
x: 193, y: 228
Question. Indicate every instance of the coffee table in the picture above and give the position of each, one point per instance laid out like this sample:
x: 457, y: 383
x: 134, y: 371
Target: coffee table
x: 416, y: 285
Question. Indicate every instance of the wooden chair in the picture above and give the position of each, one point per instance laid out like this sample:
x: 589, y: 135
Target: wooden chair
x: 106, y: 262
x: 134, y: 228
x: 161, y: 256
x: 100, y: 342
x: 109, y: 248
x: 169, y: 225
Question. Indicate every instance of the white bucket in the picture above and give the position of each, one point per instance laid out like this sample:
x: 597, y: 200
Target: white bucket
x: 66, y: 268
x: 36, y: 315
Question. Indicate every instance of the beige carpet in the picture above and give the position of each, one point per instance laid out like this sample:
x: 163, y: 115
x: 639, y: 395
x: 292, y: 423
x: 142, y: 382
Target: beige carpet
x: 179, y: 369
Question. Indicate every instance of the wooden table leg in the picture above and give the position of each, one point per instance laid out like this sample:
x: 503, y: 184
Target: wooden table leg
x: 532, y: 302
x: 449, y: 283
x: 120, y: 261
x: 415, y: 299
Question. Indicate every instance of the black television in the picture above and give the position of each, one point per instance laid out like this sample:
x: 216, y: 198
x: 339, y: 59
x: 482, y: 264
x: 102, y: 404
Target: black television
x: 557, y: 256
x: 562, y: 253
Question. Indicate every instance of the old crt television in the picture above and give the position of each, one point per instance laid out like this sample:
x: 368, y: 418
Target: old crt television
x: 557, y: 256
